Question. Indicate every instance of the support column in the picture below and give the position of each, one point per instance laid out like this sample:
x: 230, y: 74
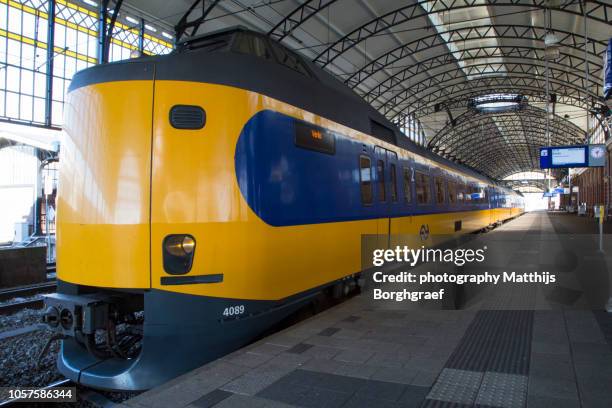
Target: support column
x: 141, y: 31
x: 102, y: 28
x: 49, y: 63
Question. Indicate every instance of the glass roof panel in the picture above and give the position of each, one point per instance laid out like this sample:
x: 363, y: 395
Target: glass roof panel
x: 478, y: 15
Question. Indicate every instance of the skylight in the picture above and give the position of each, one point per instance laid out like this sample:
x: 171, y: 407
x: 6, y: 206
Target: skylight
x: 530, y: 175
x: 497, y: 102
x: 497, y: 105
x: 463, y: 19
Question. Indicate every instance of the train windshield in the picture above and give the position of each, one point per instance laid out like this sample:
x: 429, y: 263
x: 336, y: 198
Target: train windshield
x: 261, y: 47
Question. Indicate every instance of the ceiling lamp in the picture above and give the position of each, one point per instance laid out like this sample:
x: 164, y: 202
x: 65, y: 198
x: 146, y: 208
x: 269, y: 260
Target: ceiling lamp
x: 493, y: 103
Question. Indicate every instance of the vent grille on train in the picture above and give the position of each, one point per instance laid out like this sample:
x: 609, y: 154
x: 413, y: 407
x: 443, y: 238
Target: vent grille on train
x: 187, y: 117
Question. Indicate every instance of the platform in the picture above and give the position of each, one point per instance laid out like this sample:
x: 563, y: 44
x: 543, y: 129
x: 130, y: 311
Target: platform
x: 507, y: 347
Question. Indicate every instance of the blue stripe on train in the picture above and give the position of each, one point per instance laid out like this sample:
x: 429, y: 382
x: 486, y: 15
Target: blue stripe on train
x: 287, y: 185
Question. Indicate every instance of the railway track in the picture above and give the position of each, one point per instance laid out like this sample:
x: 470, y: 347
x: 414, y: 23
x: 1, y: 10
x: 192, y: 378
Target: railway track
x: 14, y: 307
x: 24, y: 292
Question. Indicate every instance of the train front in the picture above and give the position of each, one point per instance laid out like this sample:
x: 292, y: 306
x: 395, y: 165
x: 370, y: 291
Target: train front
x: 134, y: 201
x: 103, y: 254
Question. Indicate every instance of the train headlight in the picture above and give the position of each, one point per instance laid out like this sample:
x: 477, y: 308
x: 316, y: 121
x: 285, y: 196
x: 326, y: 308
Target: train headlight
x: 178, y: 253
x: 66, y: 319
x: 51, y: 316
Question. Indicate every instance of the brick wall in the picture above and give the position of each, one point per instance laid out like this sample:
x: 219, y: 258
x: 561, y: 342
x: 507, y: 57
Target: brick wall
x: 591, y: 188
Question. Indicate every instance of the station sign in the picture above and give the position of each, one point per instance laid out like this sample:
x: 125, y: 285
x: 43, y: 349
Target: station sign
x: 549, y: 194
x: 552, y: 157
x: 559, y: 190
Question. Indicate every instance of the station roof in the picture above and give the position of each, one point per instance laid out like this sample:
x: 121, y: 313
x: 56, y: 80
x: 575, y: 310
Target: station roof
x: 435, y: 59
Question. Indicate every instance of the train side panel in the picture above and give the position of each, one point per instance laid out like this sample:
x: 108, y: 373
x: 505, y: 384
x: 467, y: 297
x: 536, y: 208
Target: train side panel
x: 267, y: 241
x: 195, y: 191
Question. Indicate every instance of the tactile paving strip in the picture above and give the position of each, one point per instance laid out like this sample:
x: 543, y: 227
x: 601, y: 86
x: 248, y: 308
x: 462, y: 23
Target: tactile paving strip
x: 473, y: 388
x: 502, y: 390
x: 496, y: 340
x: 470, y: 379
x: 429, y: 403
x: 459, y: 386
x: 490, y: 365
x: 604, y: 320
x: 453, y: 393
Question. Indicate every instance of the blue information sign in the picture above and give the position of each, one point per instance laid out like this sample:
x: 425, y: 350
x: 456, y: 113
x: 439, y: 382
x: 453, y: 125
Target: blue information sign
x: 572, y: 156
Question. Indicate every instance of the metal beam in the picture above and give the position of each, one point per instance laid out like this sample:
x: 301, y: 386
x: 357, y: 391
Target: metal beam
x: 102, y: 32
x: 567, y: 81
x: 297, y: 17
x: 521, y: 32
x: 49, y: 63
x: 478, y: 138
x: 141, y: 33
x: 181, y: 28
x: 526, y: 84
x: 602, y: 12
x: 568, y: 61
x: 464, y: 93
x: 105, y: 30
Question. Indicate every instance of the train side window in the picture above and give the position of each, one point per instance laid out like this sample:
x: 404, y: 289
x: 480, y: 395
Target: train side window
x: 467, y: 195
x: 407, y: 190
x: 393, y: 182
x: 452, y: 192
x: 439, y: 183
x: 365, y: 179
x: 380, y: 180
x: 474, y: 193
x: 423, y: 192
x: 477, y: 195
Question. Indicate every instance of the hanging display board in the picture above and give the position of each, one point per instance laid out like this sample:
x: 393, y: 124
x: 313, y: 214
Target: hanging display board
x: 552, y: 157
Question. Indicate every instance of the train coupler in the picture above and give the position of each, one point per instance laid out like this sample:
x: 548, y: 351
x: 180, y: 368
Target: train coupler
x: 72, y: 315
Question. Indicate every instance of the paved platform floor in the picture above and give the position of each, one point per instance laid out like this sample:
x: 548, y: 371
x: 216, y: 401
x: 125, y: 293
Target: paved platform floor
x: 508, y: 346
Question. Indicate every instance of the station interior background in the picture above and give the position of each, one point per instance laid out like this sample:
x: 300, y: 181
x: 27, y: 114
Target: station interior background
x: 33, y: 84
x: 34, y: 78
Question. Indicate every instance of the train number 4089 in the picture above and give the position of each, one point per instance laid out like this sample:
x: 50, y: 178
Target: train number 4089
x: 233, y: 311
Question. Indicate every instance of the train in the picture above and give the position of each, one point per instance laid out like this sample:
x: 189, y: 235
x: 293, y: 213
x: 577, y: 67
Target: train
x: 207, y: 194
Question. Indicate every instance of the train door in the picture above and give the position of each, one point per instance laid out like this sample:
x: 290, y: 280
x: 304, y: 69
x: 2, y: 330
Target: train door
x: 193, y: 182
x: 387, y: 193
x: 393, y: 204
x: 401, y: 210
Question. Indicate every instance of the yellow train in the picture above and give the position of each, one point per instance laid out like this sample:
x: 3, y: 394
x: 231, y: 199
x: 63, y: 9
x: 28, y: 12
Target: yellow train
x: 207, y: 194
